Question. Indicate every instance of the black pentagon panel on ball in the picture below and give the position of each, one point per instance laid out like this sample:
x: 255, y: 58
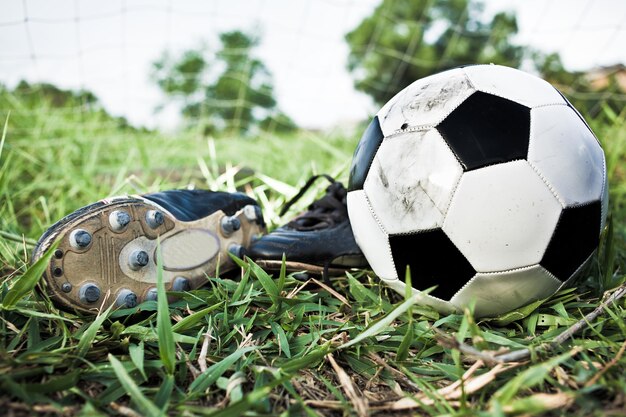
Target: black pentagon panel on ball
x: 487, y: 130
x: 364, y: 155
x: 576, y: 236
x: 433, y: 260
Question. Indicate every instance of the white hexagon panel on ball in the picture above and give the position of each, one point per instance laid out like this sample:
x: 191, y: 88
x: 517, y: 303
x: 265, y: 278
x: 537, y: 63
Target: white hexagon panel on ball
x: 567, y: 155
x: 411, y: 181
x: 370, y: 235
x: 497, y: 292
x: 502, y: 217
x: 425, y: 102
x: 513, y: 84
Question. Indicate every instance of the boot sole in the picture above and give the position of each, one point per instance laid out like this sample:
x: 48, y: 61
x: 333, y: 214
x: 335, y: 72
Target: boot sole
x: 117, y: 264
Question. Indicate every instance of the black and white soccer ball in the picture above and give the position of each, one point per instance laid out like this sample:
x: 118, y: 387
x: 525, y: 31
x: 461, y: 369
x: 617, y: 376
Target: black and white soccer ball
x: 486, y: 182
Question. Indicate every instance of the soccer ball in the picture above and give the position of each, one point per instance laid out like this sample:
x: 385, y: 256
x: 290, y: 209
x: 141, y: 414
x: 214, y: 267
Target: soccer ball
x: 486, y: 182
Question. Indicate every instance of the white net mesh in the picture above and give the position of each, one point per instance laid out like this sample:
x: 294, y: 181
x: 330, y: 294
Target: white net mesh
x: 108, y: 48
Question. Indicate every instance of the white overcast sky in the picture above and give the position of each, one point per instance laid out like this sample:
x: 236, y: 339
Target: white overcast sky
x: 107, y: 46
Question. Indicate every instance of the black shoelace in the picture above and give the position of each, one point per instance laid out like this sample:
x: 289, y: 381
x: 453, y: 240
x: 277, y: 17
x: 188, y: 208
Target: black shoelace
x: 323, y: 213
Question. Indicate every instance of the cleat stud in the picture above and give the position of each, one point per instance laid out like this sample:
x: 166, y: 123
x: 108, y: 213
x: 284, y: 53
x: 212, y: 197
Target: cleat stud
x: 66, y: 287
x: 181, y: 284
x: 253, y: 214
x: 230, y: 225
x: 58, y: 253
x: 80, y: 239
x: 250, y: 212
x: 126, y: 298
x: 57, y: 272
x: 237, y: 250
x: 89, y: 293
x: 138, y: 259
x: 151, y: 295
x: 118, y: 220
x: 154, y: 218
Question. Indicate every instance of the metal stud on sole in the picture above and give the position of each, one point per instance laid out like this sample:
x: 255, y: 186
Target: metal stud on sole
x: 89, y: 293
x: 181, y: 284
x: 230, y: 225
x: 154, y: 218
x: 118, y: 220
x: 151, y: 295
x: 138, y: 259
x: 126, y: 299
x: 80, y: 239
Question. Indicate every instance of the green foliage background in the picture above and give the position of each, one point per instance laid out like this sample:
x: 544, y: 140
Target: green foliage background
x: 228, y: 92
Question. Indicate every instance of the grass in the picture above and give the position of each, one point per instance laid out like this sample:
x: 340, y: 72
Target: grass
x: 272, y: 345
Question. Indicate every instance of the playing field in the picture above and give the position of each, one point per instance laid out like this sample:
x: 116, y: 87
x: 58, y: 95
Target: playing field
x: 263, y: 345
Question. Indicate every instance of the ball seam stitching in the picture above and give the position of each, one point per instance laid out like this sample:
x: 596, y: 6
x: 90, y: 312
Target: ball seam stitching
x: 490, y: 91
x: 443, y: 117
x: 546, y: 182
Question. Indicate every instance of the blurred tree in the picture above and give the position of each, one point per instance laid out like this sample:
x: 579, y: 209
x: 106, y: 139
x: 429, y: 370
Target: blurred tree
x: 54, y: 96
x: 32, y: 104
x: 229, y: 91
x: 403, y: 41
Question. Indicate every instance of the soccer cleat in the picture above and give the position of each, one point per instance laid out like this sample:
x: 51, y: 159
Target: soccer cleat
x: 107, y: 252
x: 319, y: 241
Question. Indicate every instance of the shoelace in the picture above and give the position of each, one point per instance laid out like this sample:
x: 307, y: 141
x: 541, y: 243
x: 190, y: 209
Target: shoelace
x: 322, y: 213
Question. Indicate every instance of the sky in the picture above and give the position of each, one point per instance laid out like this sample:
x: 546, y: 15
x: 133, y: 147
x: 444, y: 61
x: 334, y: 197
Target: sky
x: 108, y: 46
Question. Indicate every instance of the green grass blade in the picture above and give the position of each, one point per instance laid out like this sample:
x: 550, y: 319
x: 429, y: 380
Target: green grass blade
x: 382, y: 323
x: 137, y: 354
x: 515, y: 315
x: 283, y: 274
x: 87, y: 338
x: 608, y: 260
x: 163, y: 396
x: 241, y: 286
x: 266, y: 281
x: 167, y: 347
x: 146, y: 406
x: 4, y: 133
x: 194, y: 318
x: 56, y: 383
x: 311, y: 358
x: 282, y: 338
x: 282, y: 187
x: 239, y: 408
x: 9, y: 386
x: 216, y: 370
x: 365, y: 295
x: 26, y: 283
x: 403, y: 349
x: 529, y: 378
x: 268, y: 284
x: 89, y: 410
x: 407, y: 340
